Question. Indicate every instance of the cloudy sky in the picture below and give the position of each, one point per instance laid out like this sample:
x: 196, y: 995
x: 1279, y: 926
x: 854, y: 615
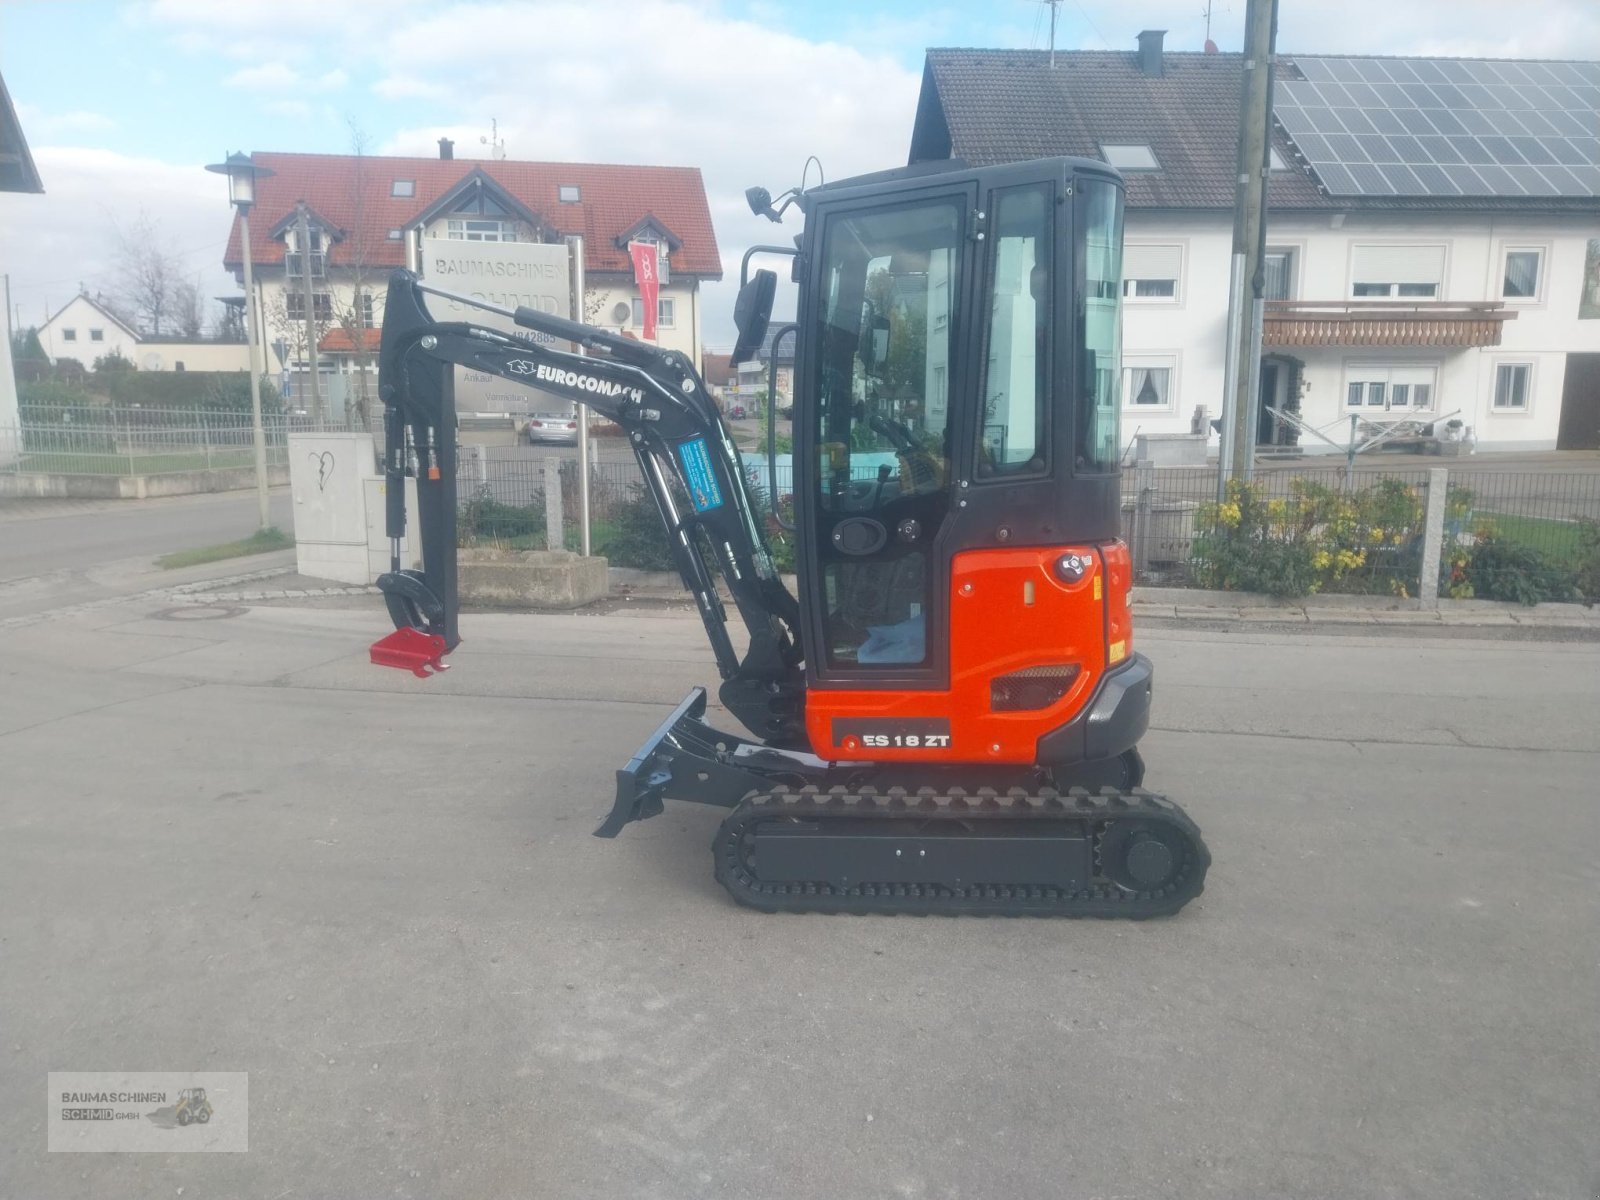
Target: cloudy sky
x: 123, y: 103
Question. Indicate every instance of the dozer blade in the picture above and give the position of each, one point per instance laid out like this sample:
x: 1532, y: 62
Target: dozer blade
x: 1020, y: 853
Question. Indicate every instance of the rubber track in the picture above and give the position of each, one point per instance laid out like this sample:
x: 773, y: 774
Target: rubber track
x: 1103, y: 899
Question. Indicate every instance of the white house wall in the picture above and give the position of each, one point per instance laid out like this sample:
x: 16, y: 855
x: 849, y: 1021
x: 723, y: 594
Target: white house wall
x: 601, y: 300
x: 1188, y: 332
x: 84, y: 318
x: 191, y: 356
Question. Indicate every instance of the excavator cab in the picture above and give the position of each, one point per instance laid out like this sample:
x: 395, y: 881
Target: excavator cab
x: 946, y: 717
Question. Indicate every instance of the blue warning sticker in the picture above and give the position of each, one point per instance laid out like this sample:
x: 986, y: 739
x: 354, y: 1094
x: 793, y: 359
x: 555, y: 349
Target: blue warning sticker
x: 704, y: 493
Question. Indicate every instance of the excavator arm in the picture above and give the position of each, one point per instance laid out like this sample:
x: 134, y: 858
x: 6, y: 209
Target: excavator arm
x: 689, y: 465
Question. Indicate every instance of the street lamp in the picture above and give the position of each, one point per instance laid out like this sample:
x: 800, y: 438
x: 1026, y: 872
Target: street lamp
x: 242, y: 174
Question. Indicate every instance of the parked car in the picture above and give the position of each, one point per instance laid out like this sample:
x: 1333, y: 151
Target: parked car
x: 545, y: 427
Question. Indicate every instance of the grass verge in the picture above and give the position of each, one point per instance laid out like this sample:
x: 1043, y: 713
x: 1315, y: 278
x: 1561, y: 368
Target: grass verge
x: 259, y: 542
x: 1561, y: 540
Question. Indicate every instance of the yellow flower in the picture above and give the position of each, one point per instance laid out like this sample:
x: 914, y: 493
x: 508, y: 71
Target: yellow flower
x: 1228, y: 514
x: 1321, y: 559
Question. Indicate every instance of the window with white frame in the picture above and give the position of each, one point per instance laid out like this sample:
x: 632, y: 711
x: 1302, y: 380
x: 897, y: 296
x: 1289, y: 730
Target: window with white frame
x: 1147, y: 384
x: 294, y: 262
x: 1523, y: 270
x: 403, y: 187
x: 69, y: 335
x: 666, y: 311
x: 1151, y: 272
x: 364, y: 310
x: 481, y: 229
x: 1513, y: 383
x: 1278, y: 266
x: 294, y: 305
x: 1390, y: 387
x: 570, y: 193
x: 1383, y: 272
x: 97, y: 335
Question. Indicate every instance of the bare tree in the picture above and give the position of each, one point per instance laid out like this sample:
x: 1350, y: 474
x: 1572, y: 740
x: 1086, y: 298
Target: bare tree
x: 188, y: 309
x: 146, y: 274
x: 289, y: 326
x: 228, y: 320
x: 363, y: 313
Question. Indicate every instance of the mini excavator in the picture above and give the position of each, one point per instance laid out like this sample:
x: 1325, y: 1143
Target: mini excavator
x: 945, y: 718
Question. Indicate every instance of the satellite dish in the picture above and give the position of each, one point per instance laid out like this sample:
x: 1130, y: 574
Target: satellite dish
x: 621, y: 311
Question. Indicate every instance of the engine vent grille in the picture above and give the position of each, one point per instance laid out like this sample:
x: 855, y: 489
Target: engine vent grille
x: 1031, y: 688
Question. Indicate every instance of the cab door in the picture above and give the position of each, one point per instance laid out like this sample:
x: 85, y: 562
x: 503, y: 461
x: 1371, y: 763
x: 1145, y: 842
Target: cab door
x: 876, y: 431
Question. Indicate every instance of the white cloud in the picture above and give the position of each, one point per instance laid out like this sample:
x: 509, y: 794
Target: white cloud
x: 53, y: 242
x: 684, y: 83
x: 274, y: 76
x: 41, y: 125
x: 686, y: 87
x: 295, y: 110
x: 280, y: 77
x: 405, y: 87
x: 264, y: 30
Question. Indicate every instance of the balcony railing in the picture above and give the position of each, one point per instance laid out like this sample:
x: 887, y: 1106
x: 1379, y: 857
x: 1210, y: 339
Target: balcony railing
x: 1384, y: 323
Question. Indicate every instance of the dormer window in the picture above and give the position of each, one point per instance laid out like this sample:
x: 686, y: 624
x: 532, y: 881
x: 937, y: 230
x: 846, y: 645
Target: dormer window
x: 1130, y: 156
x: 570, y: 193
x: 405, y: 188
x: 294, y: 262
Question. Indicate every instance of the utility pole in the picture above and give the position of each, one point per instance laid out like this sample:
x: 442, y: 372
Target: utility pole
x: 317, y: 414
x: 252, y: 310
x: 1247, y: 284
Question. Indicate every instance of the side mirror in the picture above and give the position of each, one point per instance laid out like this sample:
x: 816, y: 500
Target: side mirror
x: 760, y: 202
x: 874, y: 344
x: 751, y: 312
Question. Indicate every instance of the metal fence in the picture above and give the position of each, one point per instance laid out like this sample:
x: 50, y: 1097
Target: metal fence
x: 1171, y: 521
x: 142, y: 441
x: 1356, y: 531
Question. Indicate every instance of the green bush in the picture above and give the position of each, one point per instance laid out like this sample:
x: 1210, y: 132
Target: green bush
x: 484, y: 520
x: 214, y: 390
x: 1587, y: 571
x: 1314, y: 540
x: 633, y: 535
x: 1498, y: 569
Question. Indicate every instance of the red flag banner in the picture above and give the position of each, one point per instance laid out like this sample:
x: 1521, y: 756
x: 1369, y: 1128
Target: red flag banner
x: 645, y: 275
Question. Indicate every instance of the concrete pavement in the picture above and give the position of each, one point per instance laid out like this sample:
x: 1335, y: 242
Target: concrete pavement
x: 230, y: 844
x: 56, y: 553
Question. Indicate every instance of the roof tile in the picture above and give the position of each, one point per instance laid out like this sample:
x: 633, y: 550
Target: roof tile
x: 615, y: 198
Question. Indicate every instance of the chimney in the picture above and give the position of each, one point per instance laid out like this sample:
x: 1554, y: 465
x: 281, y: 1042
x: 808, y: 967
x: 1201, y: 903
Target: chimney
x: 447, y: 148
x: 1150, y: 52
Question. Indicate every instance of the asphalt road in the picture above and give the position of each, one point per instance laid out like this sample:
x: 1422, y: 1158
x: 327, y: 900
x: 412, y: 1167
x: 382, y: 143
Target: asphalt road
x: 231, y: 844
x: 59, y: 552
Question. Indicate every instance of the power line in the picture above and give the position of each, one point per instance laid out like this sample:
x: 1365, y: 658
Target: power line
x: 1090, y: 20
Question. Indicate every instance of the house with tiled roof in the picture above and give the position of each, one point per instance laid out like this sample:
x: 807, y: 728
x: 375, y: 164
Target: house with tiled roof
x: 366, y: 215
x: 1433, y: 228
x: 86, y: 329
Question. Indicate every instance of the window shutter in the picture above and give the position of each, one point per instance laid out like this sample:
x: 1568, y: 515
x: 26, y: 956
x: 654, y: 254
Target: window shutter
x: 1398, y: 264
x: 1151, y: 262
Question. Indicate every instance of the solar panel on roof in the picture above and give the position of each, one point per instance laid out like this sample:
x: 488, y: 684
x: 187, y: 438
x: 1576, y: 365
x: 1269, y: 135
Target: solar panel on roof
x: 1445, y: 127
